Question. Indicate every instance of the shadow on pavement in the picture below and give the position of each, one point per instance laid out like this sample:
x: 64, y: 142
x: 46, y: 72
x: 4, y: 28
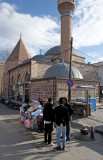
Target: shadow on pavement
x: 21, y: 144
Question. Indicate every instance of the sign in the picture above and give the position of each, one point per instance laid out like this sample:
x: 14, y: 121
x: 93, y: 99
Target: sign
x: 70, y: 83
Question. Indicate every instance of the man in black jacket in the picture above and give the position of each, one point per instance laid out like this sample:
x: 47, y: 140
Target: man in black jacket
x: 61, y: 115
x: 48, y: 116
x: 68, y: 123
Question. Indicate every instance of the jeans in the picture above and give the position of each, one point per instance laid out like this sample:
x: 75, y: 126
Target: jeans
x: 58, y: 132
x: 48, y: 133
x: 68, y: 125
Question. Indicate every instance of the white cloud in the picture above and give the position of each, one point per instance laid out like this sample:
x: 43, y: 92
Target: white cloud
x: 37, y: 32
x: 92, y: 57
x: 88, y: 23
x: 92, y: 54
x: 98, y: 60
x: 44, y: 32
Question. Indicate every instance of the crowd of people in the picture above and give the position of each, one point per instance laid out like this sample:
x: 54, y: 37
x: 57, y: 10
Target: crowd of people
x: 41, y: 117
x: 61, y: 116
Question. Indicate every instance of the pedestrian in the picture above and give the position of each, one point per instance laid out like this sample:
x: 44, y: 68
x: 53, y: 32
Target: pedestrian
x: 61, y: 115
x: 68, y: 123
x: 48, y: 117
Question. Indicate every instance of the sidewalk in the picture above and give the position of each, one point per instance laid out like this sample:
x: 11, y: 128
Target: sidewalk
x: 95, y: 120
x: 75, y: 149
x: 18, y: 143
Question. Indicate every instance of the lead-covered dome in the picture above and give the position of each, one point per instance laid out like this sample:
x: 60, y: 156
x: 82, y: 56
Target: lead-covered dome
x: 61, y: 70
x: 56, y: 51
x: 41, y: 58
x: 53, y: 51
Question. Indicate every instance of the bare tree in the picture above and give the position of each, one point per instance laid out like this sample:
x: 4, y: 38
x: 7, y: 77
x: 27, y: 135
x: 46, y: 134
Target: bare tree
x: 5, y: 54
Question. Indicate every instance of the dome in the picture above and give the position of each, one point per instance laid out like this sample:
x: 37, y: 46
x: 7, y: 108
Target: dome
x: 61, y: 70
x: 53, y: 51
x: 56, y: 51
x: 41, y: 58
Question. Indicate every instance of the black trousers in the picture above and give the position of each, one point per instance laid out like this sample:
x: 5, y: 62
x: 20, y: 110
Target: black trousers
x: 48, y: 133
x: 68, y: 125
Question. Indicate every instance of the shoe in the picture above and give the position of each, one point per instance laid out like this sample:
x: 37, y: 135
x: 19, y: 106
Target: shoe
x: 45, y: 144
x: 63, y: 147
x: 68, y: 139
x: 51, y: 144
x: 58, y: 148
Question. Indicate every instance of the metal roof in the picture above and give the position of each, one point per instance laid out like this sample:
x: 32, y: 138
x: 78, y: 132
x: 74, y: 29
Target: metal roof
x: 85, y: 87
x: 26, y: 61
x: 53, y: 51
x: 56, y: 51
x: 41, y: 58
x: 98, y: 64
x: 19, y: 53
x: 61, y: 70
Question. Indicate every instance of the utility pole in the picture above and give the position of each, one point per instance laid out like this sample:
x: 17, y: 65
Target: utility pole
x: 69, y: 88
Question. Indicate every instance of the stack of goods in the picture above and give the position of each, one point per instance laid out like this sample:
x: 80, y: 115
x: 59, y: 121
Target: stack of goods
x: 31, y: 115
x: 23, y: 115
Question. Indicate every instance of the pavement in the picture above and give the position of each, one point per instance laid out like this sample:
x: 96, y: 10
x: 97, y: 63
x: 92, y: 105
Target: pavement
x: 18, y: 143
x: 95, y: 120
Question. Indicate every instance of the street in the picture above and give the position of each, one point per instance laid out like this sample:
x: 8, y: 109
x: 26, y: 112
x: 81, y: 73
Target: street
x: 17, y: 143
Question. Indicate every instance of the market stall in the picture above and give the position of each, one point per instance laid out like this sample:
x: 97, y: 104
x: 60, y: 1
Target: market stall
x: 86, y: 94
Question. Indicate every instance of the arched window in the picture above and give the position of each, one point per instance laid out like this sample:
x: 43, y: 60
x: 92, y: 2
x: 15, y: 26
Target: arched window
x: 19, y: 80
x: 12, y: 80
x: 19, y: 88
x: 27, y: 77
x: 12, y: 88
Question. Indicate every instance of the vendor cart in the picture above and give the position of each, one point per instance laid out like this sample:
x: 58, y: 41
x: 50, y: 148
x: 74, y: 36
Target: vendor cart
x: 86, y: 94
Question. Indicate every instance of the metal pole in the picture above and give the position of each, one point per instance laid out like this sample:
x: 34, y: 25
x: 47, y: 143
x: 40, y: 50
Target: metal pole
x: 87, y: 104
x: 53, y: 91
x: 69, y: 88
x: 9, y: 85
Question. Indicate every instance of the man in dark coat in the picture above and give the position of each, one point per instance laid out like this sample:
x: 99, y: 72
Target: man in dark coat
x: 68, y: 123
x: 48, y: 117
x: 61, y: 115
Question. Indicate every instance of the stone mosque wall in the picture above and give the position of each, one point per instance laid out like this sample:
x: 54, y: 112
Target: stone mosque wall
x: 57, y: 88
x: 38, y: 69
x: 78, y: 59
x: 2, y: 69
x: 41, y: 88
x: 88, y: 71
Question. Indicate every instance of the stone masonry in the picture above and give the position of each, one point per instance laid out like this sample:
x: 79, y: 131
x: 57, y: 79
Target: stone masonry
x: 2, y: 68
x: 57, y: 88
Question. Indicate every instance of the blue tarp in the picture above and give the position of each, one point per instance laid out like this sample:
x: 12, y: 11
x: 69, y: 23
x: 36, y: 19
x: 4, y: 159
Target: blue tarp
x: 91, y: 100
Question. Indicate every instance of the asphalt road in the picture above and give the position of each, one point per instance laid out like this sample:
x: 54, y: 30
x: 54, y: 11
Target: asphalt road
x: 17, y: 143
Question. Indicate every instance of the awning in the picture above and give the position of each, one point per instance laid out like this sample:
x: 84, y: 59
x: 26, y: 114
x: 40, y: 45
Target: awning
x: 85, y: 87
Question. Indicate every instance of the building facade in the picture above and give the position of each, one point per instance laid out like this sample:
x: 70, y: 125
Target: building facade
x: 45, y: 76
x: 2, y: 69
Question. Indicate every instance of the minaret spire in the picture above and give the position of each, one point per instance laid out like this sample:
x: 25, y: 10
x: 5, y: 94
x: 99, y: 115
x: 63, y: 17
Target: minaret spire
x: 20, y: 35
x: 66, y: 8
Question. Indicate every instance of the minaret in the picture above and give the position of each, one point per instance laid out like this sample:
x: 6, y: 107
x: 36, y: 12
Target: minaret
x: 66, y: 8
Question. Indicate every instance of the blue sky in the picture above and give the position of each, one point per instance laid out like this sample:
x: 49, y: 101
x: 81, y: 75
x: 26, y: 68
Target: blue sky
x: 39, y: 23
x: 35, y: 8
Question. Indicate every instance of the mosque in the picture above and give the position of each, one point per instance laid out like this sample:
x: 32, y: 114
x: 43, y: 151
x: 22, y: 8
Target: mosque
x: 44, y: 76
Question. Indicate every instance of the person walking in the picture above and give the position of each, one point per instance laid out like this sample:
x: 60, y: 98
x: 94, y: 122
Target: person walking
x: 68, y: 123
x: 61, y: 116
x: 48, y: 117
